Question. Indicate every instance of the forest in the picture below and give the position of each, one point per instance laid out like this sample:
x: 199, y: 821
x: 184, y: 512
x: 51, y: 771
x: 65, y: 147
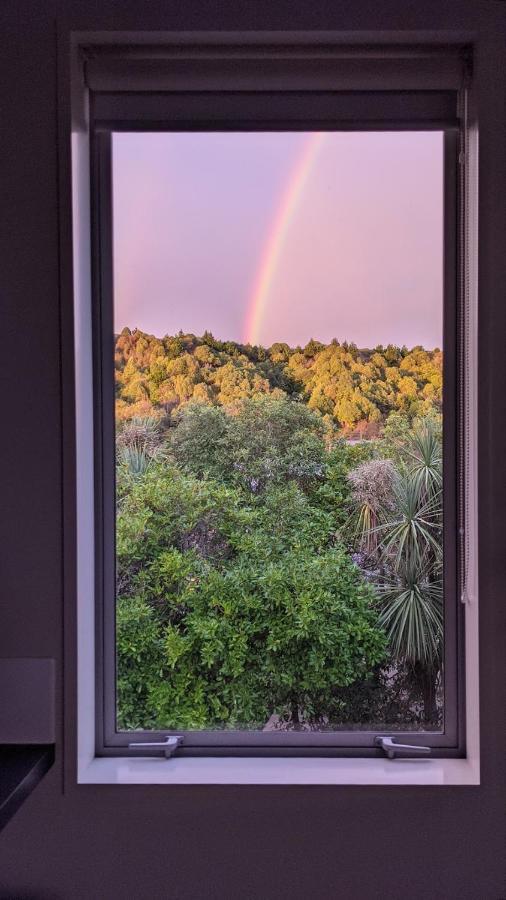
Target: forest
x: 279, y: 535
x: 353, y: 389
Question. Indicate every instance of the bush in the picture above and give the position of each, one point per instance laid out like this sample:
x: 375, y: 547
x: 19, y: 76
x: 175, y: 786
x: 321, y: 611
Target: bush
x: 244, y: 609
x: 268, y: 440
x: 140, y: 662
x: 201, y: 443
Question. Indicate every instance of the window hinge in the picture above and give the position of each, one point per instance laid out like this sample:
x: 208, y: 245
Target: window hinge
x: 392, y: 749
x: 168, y: 746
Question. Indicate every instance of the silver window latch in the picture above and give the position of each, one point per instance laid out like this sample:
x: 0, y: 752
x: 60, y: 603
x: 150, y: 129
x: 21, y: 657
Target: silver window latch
x: 168, y: 746
x: 392, y: 749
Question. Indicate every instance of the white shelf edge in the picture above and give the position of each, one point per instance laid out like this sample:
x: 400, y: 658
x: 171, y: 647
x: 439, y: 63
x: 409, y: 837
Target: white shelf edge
x: 279, y: 771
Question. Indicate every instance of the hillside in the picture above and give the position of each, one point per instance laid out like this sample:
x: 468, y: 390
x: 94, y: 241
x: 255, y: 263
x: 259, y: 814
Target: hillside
x: 356, y: 388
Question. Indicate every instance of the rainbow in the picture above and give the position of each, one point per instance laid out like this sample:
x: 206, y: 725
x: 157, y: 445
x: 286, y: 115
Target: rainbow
x: 277, y: 233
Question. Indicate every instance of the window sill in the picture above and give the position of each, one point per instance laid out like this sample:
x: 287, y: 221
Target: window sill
x: 281, y: 771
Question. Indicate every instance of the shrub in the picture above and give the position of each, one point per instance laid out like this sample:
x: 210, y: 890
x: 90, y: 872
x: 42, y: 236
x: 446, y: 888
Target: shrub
x: 140, y: 662
x: 245, y: 609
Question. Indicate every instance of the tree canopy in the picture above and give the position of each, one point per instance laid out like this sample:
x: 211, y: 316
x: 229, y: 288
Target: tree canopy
x: 354, y: 388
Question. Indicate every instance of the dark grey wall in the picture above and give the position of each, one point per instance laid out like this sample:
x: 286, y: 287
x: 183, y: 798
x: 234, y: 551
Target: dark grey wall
x: 214, y: 842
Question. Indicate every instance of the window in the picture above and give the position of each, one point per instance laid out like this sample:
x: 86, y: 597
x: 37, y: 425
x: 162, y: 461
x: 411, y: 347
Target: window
x: 259, y: 478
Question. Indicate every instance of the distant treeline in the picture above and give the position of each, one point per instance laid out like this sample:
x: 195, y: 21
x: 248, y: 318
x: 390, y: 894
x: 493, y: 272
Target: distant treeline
x: 355, y: 388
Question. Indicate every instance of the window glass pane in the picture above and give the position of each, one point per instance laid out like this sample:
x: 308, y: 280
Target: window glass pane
x: 278, y: 308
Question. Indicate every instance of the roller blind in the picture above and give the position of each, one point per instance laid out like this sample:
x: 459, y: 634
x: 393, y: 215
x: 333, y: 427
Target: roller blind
x: 283, y: 68
x: 154, y: 83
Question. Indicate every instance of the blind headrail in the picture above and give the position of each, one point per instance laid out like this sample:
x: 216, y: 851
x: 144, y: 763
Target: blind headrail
x: 242, y: 67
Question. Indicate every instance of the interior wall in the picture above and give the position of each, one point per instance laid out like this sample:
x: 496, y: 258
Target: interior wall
x: 263, y: 842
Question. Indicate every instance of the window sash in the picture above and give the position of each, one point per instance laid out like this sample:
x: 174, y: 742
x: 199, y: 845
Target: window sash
x: 448, y: 742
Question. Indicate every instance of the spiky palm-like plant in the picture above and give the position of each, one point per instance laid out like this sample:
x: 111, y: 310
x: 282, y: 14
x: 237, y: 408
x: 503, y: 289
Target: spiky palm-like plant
x: 139, y: 444
x: 412, y: 612
x: 141, y: 433
x: 410, y: 533
x: 135, y: 459
x: 372, y: 485
x: 411, y: 546
x: 408, y: 538
x: 425, y: 459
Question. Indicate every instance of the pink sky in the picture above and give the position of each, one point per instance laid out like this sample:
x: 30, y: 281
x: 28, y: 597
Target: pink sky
x: 359, y: 258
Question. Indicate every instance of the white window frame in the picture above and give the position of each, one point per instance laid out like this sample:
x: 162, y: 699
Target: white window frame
x: 239, y: 770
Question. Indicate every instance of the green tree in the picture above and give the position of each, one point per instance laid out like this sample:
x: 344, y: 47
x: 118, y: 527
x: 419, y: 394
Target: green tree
x: 233, y: 608
x: 201, y: 442
x: 275, y: 440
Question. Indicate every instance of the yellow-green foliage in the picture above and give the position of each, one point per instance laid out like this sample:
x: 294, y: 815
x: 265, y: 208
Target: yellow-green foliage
x: 158, y: 376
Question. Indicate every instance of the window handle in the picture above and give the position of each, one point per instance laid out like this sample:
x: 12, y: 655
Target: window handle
x: 392, y: 749
x: 168, y: 746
